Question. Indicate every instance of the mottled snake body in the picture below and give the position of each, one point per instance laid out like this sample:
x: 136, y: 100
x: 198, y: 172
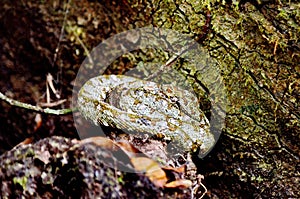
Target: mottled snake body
x: 135, y: 105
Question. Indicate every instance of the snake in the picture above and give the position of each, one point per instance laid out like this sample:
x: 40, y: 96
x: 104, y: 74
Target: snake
x: 134, y: 105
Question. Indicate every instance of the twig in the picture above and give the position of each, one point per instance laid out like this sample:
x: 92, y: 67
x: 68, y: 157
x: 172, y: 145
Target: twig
x: 49, y: 81
x: 51, y: 104
x: 35, y: 108
x: 87, y: 52
x: 173, y: 59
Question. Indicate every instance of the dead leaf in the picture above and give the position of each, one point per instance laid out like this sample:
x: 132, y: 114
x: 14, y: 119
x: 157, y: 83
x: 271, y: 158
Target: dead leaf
x: 107, y: 143
x: 151, y: 169
x: 102, y: 142
x: 115, y: 152
x: 129, y: 149
x: 25, y: 142
x: 180, y: 169
x: 180, y: 183
x: 52, y: 104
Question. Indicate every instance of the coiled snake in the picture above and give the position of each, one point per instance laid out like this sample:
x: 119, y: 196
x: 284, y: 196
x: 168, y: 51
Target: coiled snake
x: 136, y: 105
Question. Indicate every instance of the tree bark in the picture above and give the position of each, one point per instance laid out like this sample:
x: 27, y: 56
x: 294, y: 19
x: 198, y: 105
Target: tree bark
x: 256, y: 46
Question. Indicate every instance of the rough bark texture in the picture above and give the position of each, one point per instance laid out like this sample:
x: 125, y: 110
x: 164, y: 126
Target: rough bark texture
x: 256, y: 46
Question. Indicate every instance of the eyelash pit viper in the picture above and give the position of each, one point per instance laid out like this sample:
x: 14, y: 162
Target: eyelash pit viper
x: 139, y: 106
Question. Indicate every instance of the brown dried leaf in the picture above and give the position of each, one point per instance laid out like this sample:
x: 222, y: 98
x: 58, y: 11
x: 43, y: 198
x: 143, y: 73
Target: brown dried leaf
x: 151, y: 169
x: 180, y: 169
x: 102, y: 142
x: 180, y: 183
x: 25, y: 142
x: 129, y: 149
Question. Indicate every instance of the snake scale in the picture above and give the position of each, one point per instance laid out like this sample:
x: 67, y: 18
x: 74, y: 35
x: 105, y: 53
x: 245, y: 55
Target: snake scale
x: 139, y: 106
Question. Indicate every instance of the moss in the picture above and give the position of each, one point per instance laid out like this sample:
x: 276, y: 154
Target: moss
x: 22, y: 181
x: 254, y: 44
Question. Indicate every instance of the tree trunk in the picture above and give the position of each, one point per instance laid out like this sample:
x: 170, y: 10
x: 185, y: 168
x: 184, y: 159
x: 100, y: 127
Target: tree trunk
x: 256, y: 47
